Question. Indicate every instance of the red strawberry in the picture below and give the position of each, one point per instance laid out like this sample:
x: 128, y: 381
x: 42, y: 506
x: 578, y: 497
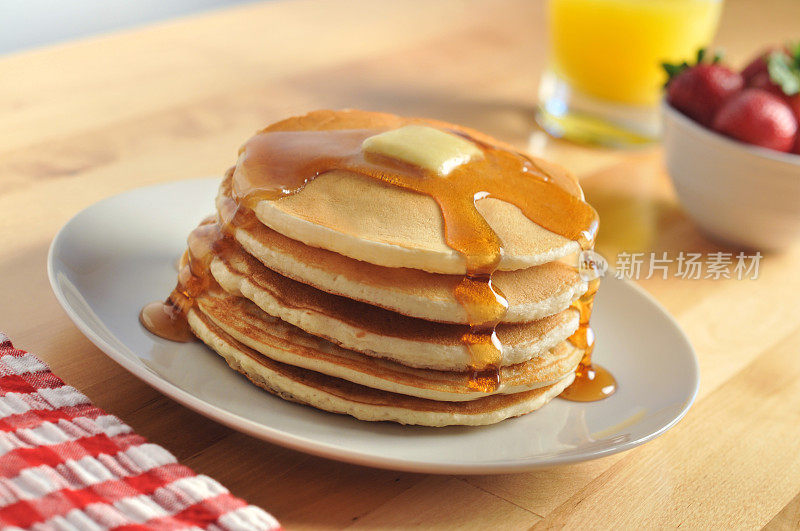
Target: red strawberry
x: 758, y: 117
x: 796, y: 148
x: 762, y: 81
x: 699, y: 91
x: 757, y: 67
x: 776, y: 70
x: 794, y: 104
x: 783, y: 76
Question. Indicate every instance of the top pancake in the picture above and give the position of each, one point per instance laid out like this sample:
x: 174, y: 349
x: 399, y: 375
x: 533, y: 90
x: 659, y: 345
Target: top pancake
x: 532, y: 293
x: 363, y: 218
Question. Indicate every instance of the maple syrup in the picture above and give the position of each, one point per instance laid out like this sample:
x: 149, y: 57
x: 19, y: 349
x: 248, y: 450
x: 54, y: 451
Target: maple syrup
x: 592, y: 382
x: 274, y: 164
x: 165, y: 319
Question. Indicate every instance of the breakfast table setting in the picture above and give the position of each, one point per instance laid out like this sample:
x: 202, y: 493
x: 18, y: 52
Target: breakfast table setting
x: 114, y: 148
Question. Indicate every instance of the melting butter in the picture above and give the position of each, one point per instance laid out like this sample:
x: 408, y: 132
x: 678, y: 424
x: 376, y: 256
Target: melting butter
x: 425, y: 147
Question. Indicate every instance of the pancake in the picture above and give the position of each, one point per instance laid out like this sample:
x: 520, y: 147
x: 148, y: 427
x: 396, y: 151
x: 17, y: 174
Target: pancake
x: 390, y: 268
x: 376, y: 331
x: 282, y: 342
x: 532, y: 293
x: 367, y: 220
x: 340, y: 396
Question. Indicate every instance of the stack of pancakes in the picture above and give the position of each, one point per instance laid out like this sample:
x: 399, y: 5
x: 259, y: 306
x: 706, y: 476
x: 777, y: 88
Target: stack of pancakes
x: 342, y: 295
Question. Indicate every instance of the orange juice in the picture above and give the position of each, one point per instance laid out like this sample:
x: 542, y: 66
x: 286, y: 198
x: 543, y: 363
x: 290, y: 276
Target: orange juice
x: 612, y: 49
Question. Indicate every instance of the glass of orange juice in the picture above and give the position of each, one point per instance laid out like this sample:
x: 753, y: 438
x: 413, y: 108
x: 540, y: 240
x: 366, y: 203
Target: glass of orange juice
x: 605, y: 75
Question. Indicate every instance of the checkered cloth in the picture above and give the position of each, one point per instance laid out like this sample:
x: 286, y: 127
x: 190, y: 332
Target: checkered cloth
x: 66, y: 464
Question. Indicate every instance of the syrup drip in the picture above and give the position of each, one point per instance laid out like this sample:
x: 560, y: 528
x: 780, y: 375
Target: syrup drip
x: 167, y: 319
x: 485, y: 349
x: 275, y: 164
x: 592, y: 382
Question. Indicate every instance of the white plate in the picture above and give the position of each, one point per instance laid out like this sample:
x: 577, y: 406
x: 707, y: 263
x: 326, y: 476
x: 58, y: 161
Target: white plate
x: 120, y: 254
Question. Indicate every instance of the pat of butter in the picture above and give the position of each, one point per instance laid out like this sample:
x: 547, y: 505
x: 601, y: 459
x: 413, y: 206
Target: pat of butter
x: 425, y: 147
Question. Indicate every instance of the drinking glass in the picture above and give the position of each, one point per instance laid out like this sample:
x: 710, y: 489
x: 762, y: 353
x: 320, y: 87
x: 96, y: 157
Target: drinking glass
x: 605, y: 75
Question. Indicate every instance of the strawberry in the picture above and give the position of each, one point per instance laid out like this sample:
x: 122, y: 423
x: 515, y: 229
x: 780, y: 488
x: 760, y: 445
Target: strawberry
x: 784, y: 73
x: 794, y: 104
x: 762, y: 81
x: 777, y: 71
x: 758, y: 117
x: 699, y: 90
x: 757, y: 68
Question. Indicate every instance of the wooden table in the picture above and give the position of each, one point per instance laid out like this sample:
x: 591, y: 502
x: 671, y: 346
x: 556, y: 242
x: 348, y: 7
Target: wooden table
x: 85, y: 120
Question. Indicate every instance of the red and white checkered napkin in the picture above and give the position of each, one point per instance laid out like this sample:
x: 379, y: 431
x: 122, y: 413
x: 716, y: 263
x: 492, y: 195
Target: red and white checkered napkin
x: 66, y: 464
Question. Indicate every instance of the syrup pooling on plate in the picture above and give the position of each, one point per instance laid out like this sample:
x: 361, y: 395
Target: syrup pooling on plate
x: 592, y: 382
x: 167, y: 319
x: 276, y: 164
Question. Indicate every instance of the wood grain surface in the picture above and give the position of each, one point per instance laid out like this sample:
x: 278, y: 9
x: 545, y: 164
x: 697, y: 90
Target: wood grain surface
x: 85, y: 120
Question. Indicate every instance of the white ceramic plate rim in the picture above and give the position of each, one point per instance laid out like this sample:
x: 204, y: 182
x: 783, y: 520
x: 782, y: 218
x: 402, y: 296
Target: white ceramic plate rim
x: 311, y: 446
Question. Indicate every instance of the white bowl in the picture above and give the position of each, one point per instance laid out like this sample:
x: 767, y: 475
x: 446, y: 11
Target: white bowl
x: 742, y: 194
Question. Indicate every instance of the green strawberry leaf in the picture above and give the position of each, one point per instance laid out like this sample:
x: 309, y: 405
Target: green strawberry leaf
x: 701, y: 53
x: 784, y: 71
x: 673, y: 69
x: 794, y: 51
